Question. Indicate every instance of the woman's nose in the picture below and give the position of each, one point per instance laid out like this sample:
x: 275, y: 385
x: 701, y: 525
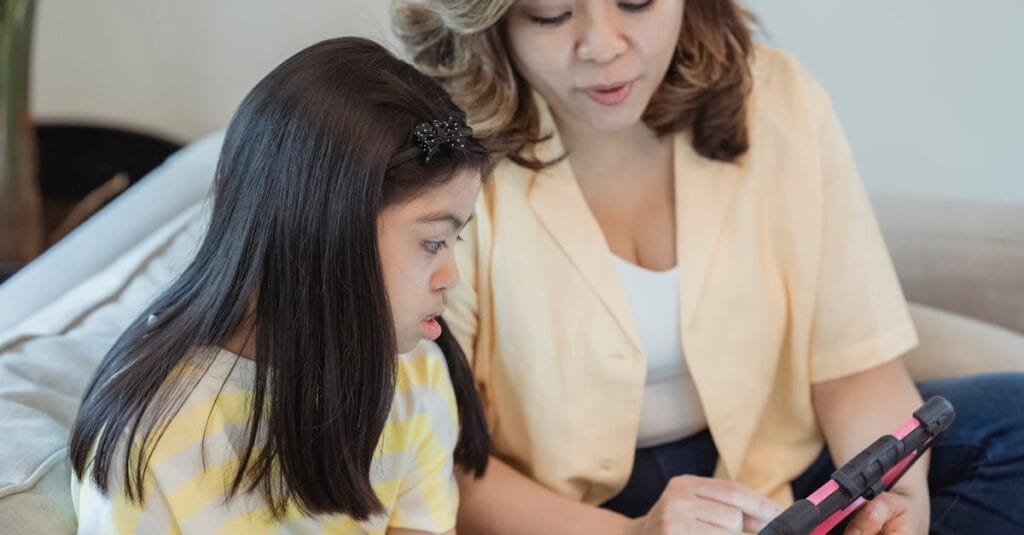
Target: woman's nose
x: 601, y: 39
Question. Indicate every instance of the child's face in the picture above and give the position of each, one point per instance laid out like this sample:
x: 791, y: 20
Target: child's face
x: 416, y: 240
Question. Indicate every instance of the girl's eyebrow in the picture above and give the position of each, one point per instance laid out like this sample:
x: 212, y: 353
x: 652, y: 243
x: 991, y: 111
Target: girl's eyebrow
x: 439, y: 217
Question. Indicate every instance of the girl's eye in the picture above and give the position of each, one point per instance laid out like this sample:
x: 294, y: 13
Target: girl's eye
x: 434, y: 247
x: 550, y: 21
x: 636, y: 8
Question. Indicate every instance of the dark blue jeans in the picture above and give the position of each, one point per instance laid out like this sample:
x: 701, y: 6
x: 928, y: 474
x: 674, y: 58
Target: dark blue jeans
x: 976, y: 476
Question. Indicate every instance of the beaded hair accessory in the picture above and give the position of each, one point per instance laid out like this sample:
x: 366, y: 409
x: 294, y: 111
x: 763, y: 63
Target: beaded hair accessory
x: 430, y: 137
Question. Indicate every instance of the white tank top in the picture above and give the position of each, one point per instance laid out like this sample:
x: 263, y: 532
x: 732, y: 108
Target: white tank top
x: 671, y: 409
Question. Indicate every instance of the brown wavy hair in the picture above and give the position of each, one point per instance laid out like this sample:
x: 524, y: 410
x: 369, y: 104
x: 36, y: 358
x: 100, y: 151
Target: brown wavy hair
x: 462, y: 44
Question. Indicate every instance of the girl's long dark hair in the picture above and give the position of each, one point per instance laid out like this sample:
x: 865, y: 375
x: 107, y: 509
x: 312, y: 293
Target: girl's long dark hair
x: 302, y: 177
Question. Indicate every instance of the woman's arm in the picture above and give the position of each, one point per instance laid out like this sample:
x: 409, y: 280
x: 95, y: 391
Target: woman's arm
x: 855, y: 410
x: 506, y: 502
x: 400, y: 531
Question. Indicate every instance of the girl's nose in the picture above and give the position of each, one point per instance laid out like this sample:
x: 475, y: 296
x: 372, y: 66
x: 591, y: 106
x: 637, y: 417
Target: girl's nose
x: 447, y: 275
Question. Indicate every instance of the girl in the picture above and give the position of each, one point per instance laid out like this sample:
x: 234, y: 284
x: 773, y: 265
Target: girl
x: 261, y: 392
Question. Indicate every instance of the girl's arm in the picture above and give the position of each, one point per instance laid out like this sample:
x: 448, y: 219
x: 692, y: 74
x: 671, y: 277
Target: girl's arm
x: 855, y: 410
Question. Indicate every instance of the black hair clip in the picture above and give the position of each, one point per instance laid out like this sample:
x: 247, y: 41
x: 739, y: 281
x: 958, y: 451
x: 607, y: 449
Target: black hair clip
x: 430, y: 137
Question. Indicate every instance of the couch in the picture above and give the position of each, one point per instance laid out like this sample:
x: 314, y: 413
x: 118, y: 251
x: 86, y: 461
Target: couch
x: 961, y: 265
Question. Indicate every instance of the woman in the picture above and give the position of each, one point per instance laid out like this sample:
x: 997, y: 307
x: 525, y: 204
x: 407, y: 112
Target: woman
x: 676, y: 273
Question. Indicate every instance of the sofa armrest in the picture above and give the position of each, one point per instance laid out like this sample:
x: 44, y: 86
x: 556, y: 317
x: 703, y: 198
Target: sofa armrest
x: 962, y: 256
x: 157, y: 198
x: 954, y: 346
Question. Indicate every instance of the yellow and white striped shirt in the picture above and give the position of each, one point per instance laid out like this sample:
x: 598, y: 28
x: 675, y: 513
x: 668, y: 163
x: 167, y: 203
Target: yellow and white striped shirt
x: 412, y: 470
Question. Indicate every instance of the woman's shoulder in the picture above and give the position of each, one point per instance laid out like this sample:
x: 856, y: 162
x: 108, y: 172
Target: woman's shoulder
x: 783, y: 89
x: 775, y: 69
x: 789, y: 112
x: 508, y: 177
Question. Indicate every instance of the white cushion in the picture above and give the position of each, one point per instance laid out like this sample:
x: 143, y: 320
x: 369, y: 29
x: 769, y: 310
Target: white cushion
x: 46, y: 363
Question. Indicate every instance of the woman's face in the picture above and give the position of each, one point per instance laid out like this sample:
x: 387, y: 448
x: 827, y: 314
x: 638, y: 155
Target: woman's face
x: 415, y: 239
x: 596, y: 62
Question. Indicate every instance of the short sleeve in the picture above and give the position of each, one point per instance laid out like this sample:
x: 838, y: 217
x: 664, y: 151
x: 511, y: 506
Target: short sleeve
x: 115, y: 513
x: 98, y: 513
x: 861, y: 318
x: 428, y: 497
x: 187, y: 474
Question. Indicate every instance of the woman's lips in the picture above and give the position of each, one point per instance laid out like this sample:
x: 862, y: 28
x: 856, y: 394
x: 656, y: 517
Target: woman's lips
x: 609, y: 95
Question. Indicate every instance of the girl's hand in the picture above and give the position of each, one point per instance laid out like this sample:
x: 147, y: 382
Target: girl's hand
x: 692, y: 505
x: 891, y: 513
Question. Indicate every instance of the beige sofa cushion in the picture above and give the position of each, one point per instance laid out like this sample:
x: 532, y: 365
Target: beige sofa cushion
x: 962, y: 256
x: 45, y: 365
x: 43, y: 504
x: 953, y: 345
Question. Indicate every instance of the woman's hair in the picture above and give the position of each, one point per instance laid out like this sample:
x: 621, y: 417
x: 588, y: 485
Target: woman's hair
x: 292, y: 247
x: 462, y: 44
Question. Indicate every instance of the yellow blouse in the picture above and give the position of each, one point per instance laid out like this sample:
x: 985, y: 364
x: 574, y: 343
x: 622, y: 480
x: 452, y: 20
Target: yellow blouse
x: 784, y: 282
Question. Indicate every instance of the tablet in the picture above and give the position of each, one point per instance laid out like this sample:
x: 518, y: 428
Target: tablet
x: 874, y: 470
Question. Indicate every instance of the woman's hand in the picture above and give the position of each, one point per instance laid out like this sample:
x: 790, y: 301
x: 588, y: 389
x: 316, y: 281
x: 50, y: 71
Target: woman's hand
x: 892, y: 513
x: 694, y: 505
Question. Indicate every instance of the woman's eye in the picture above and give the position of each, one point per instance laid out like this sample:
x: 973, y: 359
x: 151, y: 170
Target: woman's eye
x: 434, y: 247
x: 636, y: 8
x: 630, y: 7
x: 550, y: 21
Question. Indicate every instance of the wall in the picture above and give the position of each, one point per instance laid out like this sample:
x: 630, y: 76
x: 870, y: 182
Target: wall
x: 175, y: 68
x: 929, y: 91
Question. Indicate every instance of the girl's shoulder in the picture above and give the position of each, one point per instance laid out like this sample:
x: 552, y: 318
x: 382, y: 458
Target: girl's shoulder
x: 211, y: 390
x: 213, y: 393
x: 424, y: 364
x: 423, y: 386
x: 218, y: 385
